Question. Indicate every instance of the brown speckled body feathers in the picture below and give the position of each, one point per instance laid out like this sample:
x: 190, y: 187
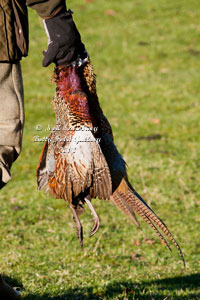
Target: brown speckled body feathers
x: 72, y: 159
x: 91, y: 168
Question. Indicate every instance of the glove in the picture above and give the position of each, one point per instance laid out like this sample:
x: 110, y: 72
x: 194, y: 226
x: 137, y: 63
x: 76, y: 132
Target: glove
x: 64, y: 44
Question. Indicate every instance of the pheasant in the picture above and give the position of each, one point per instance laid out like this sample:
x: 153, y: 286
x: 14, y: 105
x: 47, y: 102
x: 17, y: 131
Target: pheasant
x: 80, y: 161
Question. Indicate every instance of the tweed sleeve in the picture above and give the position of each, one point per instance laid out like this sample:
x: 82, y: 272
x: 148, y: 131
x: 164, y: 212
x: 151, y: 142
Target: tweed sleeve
x: 46, y: 8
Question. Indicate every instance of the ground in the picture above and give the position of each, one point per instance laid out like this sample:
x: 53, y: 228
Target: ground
x: 146, y: 55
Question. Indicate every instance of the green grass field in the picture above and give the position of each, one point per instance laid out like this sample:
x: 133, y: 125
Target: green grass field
x: 146, y: 55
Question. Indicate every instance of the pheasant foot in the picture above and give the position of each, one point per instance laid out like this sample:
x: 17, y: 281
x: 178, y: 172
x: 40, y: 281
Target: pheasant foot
x: 79, y: 227
x: 96, y: 217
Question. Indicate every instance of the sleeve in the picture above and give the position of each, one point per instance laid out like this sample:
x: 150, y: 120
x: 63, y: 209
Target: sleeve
x: 46, y: 8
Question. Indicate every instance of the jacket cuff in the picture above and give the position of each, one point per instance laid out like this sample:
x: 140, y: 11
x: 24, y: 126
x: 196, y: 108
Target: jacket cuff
x: 47, y: 9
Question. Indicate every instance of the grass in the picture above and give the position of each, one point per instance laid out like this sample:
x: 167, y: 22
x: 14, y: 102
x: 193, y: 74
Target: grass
x: 147, y: 58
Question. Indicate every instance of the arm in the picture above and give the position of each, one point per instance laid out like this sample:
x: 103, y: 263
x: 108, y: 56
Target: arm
x: 64, y: 40
x: 46, y: 9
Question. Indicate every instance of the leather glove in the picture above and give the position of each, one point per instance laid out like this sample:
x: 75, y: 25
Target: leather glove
x: 64, y: 44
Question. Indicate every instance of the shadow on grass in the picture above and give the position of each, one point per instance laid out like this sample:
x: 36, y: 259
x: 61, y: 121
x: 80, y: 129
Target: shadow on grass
x: 165, y: 289
x: 14, y: 282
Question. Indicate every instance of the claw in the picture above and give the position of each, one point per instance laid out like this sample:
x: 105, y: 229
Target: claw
x: 96, y: 218
x: 95, y: 226
x: 79, y: 227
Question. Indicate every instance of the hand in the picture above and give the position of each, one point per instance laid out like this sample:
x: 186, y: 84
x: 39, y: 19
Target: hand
x: 64, y: 44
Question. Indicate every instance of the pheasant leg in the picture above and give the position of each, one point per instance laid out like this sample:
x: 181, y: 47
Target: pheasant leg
x: 96, y: 218
x: 79, y: 227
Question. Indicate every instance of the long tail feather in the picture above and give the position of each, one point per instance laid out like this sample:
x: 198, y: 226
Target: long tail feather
x: 118, y: 200
x: 145, y: 217
x: 144, y: 208
x: 135, y: 201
